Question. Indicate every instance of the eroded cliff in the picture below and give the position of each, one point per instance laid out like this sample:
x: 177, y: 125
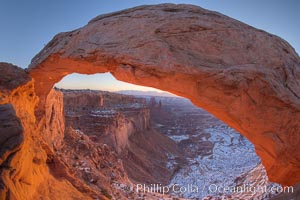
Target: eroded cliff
x: 123, y: 123
x: 106, y: 117
x: 25, y: 155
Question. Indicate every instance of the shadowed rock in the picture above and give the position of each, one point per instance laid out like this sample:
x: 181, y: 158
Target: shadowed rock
x: 11, y: 77
x: 11, y: 132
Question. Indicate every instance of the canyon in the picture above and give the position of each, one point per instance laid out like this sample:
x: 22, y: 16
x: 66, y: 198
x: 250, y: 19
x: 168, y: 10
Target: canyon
x: 123, y: 124
x: 246, y: 77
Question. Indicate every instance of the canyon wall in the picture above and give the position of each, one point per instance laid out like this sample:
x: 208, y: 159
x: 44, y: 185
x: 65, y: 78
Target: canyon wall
x: 53, y: 124
x: 22, y: 159
x: 123, y: 123
x: 106, y: 117
x: 26, y: 159
x: 246, y: 77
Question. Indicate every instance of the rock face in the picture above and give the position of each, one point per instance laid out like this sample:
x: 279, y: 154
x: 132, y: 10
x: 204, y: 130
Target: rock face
x: 11, y: 77
x: 109, y: 118
x: 11, y: 132
x: 246, y: 77
x: 122, y: 123
x: 54, y: 124
x: 81, y: 101
x: 27, y: 162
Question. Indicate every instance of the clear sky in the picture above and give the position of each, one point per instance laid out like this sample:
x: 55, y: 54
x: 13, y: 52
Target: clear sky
x: 27, y: 25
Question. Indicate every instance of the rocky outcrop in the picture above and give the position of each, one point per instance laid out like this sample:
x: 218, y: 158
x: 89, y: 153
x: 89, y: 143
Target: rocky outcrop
x: 11, y: 132
x: 122, y: 122
x: 82, y: 100
x: 246, y: 77
x: 94, y: 164
x: 106, y: 117
x: 86, y: 100
x: 18, y: 149
x: 11, y: 77
x: 26, y: 159
x: 54, y: 121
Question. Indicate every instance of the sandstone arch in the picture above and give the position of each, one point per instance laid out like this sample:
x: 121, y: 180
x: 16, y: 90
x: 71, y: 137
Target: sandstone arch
x: 246, y: 77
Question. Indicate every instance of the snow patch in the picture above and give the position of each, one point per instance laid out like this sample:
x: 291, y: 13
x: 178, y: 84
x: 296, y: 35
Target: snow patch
x: 179, y: 138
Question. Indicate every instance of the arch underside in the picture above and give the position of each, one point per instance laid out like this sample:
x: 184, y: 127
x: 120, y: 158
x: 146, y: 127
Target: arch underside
x: 244, y: 76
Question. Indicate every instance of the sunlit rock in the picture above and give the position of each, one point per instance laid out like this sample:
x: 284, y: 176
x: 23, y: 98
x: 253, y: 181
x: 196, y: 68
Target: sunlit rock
x: 246, y: 77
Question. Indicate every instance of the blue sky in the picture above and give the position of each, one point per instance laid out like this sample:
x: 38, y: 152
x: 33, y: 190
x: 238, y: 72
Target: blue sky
x: 27, y: 25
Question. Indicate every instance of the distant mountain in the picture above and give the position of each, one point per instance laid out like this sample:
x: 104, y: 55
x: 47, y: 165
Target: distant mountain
x: 146, y: 93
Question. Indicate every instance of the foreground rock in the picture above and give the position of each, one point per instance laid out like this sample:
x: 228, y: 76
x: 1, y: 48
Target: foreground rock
x: 39, y: 160
x: 27, y: 163
x: 244, y: 76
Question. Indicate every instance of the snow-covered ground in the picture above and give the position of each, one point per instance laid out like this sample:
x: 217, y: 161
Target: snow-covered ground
x: 218, y: 157
x: 233, y: 164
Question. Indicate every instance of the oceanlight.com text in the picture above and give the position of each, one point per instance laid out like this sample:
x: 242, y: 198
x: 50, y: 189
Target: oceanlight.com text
x: 212, y: 189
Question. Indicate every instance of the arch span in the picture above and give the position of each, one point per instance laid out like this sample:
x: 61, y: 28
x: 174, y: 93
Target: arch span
x: 246, y: 77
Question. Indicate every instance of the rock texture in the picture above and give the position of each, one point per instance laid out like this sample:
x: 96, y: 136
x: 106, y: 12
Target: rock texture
x: 246, y: 77
x: 122, y: 123
x: 53, y: 123
x: 11, y: 130
x: 27, y: 163
x: 109, y: 118
x: 11, y: 77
